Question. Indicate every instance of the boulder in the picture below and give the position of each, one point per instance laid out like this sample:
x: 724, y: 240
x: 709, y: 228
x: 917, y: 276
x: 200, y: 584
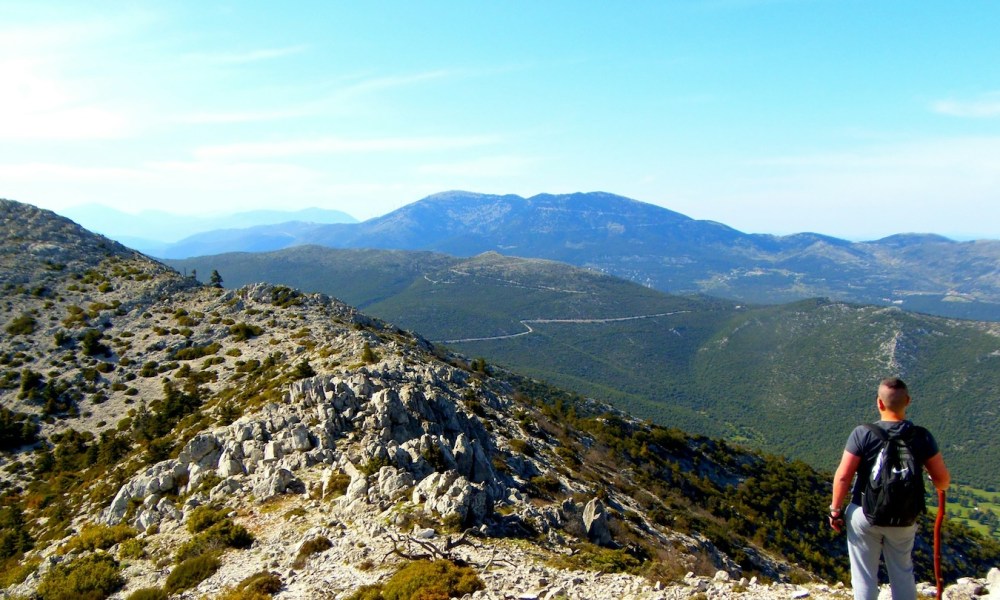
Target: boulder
x: 203, y: 449
x: 229, y: 465
x: 272, y: 482
x: 595, y: 523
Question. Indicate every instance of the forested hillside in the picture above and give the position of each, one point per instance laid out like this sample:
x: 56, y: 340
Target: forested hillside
x: 792, y: 379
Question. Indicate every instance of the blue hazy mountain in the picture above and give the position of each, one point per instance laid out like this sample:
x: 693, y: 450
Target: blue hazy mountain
x: 154, y: 231
x: 663, y: 249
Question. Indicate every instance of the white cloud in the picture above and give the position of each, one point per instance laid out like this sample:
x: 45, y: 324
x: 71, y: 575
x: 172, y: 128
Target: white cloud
x: 334, y: 145
x: 251, y: 56
x: 36, y: 105
x: 986, y: 106
x: 42, y: 171
x: 487, y: 166
x: 47, y: 94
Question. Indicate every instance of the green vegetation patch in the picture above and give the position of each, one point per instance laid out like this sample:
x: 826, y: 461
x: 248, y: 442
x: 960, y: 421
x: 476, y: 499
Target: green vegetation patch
x: 191, y: 572
x: 215, y: 538
x: 92, y: 577
x: 22, y: 325
x: 150, y: 593
x: 16, y: 429
x: 259, y: 586
x: 424, y: 580
x: 310, y: 547
x: 98, y: 537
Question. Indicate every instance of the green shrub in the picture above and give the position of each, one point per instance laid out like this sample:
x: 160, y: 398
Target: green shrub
x: 150, y: 593
x: 92, y: 577
x: 374, y: 465
x: 302, y: 370
x: 221, y: 535
x: 16, y: 429
x: 368, y: 355
x: 545, y: 485
x: 263, y: 582
x: 425, y: 579
x: 594, y: 558
x: 259, y: 586
x: 310, y: 547
x: 203, y: 517
x: 242, y: 331
x: 13, y: 571
x: 133, y: 548
x: 94, y: 537
x: 337, y: 484
x: 90, y: 343
x: 191, y: 572
x: 196, y: 352
x: 23, y: 325
x: 522, y: 447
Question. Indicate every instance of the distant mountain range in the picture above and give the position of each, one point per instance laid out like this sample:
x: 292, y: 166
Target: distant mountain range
x: 156, y: 232
x: 663, y: 250
x: 792, y: 379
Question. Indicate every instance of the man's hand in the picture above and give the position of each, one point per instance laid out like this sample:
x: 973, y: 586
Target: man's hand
x: 836, y: 520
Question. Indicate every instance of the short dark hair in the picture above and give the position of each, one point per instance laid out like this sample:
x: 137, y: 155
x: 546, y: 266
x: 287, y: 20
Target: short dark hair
x: 896, y: 399
x: 894, y: 383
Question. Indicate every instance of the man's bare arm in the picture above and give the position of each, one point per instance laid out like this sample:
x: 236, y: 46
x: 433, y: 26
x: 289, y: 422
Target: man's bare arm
x: 938, y: 472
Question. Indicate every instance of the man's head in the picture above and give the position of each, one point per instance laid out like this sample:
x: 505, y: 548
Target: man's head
x: 893, y: 395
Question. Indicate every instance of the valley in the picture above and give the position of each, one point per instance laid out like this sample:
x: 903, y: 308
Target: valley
x: 770, y: 377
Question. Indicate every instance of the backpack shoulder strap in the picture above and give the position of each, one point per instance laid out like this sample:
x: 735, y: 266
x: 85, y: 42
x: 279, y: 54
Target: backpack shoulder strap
x: 881, y: 433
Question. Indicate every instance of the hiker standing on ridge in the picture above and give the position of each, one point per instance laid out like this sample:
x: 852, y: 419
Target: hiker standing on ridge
x: 885, y: 524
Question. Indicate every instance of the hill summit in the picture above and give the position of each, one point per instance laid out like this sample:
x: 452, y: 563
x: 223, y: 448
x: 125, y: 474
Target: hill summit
x: 164, y: 438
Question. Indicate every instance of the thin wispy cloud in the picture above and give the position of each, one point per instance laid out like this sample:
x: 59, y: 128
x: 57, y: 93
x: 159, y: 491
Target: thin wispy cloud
x: 984, y: 107
x: 395, y: 81
x: 344, y: 99
x: 39, y: 170
x: 487, y: 166
x: 39, y: 105
x: 251, y: 56
x: 335, y: 145
x: 249, y: 116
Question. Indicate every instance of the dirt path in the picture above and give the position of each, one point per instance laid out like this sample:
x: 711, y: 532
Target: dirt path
x: 527, y: 324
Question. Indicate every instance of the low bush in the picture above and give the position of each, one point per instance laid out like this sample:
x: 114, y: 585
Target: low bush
x: 218, y: 537
x: 23, y: 325
x: 522, y: 447
x: 98, y: 537
x: 13, y: 571
x: 133, y: 548
x: 203, y: 517
x: 424, y: 580
x: 310, y: 547
x: 150, y: 593
x: 259, y: 586
x: 92, y: 577
x: 191, y: 572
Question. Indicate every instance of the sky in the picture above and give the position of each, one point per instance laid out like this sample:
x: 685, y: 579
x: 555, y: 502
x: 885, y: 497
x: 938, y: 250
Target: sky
x: 856, y: 119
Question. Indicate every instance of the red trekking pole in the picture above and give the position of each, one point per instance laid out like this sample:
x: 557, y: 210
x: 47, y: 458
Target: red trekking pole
x: 937, y: 543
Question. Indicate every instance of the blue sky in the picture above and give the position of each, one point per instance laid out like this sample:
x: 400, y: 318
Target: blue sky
x: 849, y: 118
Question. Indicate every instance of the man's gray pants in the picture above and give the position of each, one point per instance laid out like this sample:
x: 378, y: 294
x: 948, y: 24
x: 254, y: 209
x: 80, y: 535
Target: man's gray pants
x: 865, y: 542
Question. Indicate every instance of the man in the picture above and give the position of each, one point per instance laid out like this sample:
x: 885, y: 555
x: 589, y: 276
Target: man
x: 865, y: 542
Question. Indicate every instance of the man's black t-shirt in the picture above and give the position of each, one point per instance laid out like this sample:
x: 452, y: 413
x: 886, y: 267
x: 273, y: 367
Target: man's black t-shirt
x: 866, y: 444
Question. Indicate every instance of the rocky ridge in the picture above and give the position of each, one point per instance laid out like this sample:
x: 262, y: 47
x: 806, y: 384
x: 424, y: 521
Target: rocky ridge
x: 301, y: 420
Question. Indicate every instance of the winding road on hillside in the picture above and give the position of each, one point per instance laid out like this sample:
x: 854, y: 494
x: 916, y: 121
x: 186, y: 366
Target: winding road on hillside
x: 527, y: 324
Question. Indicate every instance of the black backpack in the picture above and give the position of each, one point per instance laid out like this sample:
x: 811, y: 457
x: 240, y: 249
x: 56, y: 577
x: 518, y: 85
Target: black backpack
x: 894, y: 495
